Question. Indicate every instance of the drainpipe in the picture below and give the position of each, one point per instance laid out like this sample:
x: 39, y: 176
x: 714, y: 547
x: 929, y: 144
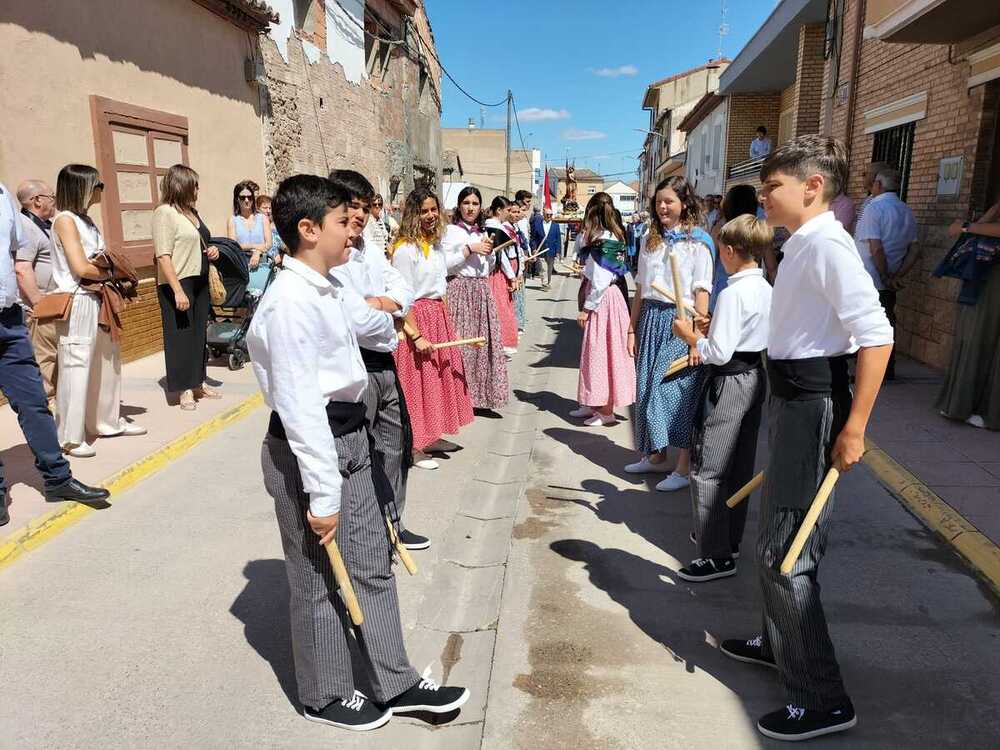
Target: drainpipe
x: 852, y: 102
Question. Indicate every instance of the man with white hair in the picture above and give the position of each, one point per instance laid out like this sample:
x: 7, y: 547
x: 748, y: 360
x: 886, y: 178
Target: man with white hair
x: 884, y: 233
x: 545, y: 233
x: 33, y: 267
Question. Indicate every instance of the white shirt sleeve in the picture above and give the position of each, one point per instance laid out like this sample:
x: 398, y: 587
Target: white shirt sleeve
x: 505, y: 266
x: 373, y: 328
x: 701, y: 269
x: 851, y: 292
x: 600, y: 279
x: 397, y: 288
x: 296, y: 395
x: 723, y: 332
x: 453, y: 244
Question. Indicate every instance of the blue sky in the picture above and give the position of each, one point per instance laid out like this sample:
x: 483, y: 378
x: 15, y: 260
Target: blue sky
x: 578, y: 70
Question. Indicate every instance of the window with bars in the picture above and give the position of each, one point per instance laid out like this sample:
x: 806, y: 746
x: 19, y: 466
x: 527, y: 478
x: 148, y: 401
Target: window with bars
x: 895, y: 146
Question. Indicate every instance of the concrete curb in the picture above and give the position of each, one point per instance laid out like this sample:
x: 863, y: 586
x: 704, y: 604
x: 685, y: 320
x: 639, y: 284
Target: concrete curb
x: 50, y: 525
x: 978, y: 550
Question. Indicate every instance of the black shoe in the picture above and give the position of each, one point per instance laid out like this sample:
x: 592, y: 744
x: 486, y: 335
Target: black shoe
x: 751, y: 652
x: 74, y: 489
x: 427, y: 695
x: 413, y: 541
x: 358, y: 714
x: 442, y: 446
x: 707, y: 569
x: 793, y: 723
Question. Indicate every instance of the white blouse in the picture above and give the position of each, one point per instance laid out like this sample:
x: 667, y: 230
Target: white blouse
x: 63, y: 279
x: 505, y: 254
x: 694, y: 262
x: 427, y: 276
x: 453, y: 244
x: 600, y: 278
x: 741, y: 321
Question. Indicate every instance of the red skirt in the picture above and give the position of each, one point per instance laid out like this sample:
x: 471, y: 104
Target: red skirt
x: 505, y: 309
x: 433, y: 383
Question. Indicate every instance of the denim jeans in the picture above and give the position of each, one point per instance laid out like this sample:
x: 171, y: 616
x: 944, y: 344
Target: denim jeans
x: 21, y: 383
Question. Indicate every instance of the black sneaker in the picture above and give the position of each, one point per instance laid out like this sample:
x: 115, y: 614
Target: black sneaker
x: 358, y: 714
x: 736, y: 551
x: 413, y: 541
x: 751, y: 652
x: 793, y: 723
x: 427, y: 695
x: 4, y: 513
x: 707, y: 569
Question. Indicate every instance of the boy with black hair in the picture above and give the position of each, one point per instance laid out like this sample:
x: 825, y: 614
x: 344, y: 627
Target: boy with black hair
x: 369, y: 274
x: 304, y: 348
x: 824, y: 308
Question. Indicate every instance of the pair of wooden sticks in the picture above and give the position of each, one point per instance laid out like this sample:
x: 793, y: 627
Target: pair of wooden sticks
x: 808, y: 523
x: 683, y: 312
x: 344, y: 580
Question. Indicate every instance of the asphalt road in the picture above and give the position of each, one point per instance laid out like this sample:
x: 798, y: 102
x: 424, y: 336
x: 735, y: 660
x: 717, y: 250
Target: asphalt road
x: 550, y: 590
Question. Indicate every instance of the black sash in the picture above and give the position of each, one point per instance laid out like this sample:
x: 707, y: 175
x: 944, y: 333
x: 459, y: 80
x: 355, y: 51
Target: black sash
x: 377, y: 361
x: 741, y: 362
x: 808, y: 379
x: 345, y: 418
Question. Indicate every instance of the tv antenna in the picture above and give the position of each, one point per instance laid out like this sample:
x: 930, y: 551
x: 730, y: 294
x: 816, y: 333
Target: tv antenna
x: 723, y: 26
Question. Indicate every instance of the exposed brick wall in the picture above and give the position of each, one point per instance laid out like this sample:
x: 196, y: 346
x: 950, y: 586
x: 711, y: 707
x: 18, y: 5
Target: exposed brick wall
x: 143, y: 328
x: 386, y: 126
x: 746, y: 113
x: 810, y: 67
x: 958, y: 123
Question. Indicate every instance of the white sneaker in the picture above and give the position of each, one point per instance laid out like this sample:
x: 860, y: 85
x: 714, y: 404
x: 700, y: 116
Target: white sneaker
x: 598, y: 420
x: 510, y: 351
x: 423, y: 461
x: 645, y: 466
x: 131, y: 429
x: 582, y: 413
x: 976, y: 421
x: 84, y: 450
x: 673, y: 482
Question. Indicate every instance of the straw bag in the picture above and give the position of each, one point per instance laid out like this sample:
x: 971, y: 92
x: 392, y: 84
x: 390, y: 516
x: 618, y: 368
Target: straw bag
x: 216, y: 289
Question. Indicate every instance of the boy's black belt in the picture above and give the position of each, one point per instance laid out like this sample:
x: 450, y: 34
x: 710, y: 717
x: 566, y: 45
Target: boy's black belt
x: 344, y: 417
x: 739, y: 363
x: 377, y: 361
x: 808, y: 379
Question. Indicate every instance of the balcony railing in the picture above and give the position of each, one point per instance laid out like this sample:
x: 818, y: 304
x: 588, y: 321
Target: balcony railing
x: 748, y: 168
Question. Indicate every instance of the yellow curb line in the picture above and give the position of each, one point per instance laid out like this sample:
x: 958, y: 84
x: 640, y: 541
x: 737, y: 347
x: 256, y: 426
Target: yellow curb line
x: 981, y: 554
x: 42, y: 529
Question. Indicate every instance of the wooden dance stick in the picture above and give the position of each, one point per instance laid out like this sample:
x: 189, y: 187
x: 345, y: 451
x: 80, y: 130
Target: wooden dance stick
x: 404, y: 554
x: 812, y: 515
x: 659, y: 289
x: 344, y: 582
x: 538, y: 252
x: 676, y: 366
x: 746, y: 490
x: 479, y: 341
x: 675, y: 272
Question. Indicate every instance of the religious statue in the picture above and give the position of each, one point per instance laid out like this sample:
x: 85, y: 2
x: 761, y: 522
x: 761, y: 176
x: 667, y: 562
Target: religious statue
x: 569, y: 202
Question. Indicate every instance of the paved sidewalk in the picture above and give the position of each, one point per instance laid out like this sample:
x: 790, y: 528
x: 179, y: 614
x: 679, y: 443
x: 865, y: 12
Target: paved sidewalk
x: 144, y: 402
x: 957, y: 461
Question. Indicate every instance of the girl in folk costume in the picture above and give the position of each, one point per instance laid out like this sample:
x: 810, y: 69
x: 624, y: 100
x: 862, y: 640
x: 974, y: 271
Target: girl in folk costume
x: 607, y: 371
x: 470, y: 257
x: 665, y: 407
x: 503, y: 279
x: 519, y: 251
x: 433, y: 381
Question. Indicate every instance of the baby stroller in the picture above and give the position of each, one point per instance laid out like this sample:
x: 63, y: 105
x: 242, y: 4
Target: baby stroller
x: 230, y: 321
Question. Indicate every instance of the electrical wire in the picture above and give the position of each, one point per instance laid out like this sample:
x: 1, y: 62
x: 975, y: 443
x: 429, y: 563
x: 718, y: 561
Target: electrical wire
x: 524, y: 149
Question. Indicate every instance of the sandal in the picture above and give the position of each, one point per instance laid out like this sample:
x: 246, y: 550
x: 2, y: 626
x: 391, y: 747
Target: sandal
x: 187, y: 402
x: 206, y: 392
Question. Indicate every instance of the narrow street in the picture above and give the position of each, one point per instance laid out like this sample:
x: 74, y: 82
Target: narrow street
x: 550, y: 590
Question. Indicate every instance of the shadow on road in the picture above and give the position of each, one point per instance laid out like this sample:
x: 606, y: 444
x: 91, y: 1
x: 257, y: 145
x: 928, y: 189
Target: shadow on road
x: 564, y: 351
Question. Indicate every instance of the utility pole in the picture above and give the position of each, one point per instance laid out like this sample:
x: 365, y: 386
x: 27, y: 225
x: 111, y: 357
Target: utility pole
x: 510, y: 103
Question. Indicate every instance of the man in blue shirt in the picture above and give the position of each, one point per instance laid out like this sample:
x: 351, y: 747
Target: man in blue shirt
x: 761, y: 145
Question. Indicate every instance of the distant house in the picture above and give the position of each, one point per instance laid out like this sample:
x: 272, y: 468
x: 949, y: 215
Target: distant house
x: 587, y: 183
x: 705, y: 125
x: 625, y: 198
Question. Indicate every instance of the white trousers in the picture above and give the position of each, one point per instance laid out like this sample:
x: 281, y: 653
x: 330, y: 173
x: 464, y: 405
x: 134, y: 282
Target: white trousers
x: 88, y: 393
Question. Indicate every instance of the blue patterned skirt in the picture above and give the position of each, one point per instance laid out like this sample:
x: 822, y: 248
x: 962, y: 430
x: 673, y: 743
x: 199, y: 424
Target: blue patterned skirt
x: 664, y: 408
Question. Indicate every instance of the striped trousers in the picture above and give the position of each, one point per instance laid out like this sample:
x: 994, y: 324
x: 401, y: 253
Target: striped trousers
x: 724, y: 448
x: 384, y: 413
x: 800, y: 435
x: 319, y: 623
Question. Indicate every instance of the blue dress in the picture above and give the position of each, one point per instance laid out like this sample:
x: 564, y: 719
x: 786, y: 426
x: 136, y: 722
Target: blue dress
x: 254, y: 236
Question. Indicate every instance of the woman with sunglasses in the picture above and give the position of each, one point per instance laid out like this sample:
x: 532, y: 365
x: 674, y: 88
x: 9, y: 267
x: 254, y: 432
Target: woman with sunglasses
x: 247, y: 225
x: 89, y: 389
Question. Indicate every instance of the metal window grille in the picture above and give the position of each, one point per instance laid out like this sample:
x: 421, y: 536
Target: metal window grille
x: 895, y: 146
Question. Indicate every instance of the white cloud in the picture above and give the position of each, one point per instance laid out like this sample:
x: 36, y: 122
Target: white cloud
x: 534, y: 114
x: 573, y: 134
x: 621, y: 70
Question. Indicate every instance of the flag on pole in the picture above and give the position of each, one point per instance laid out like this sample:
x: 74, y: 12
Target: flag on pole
x: 547, y: 191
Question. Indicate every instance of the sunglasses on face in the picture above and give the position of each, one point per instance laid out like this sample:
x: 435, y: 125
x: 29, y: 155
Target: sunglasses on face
x: 99, y: 186
x: 246, y: 197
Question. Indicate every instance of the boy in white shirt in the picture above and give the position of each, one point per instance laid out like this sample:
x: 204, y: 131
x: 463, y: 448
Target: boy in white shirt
x: 304, y: 348
x: 724, y: 443
x: 824, y: 308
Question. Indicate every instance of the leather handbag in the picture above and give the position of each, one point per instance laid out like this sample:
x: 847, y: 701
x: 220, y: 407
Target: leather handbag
x: 53, y: 307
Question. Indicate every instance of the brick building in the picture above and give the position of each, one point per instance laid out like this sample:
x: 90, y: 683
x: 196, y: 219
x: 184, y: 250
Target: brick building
x: 90, y: 85
x: 353, y: 84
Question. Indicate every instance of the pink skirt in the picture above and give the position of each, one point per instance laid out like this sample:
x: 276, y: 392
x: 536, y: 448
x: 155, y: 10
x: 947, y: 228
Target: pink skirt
x: 505, y: 309
x: 607, y: 372
x: 433, y: 383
